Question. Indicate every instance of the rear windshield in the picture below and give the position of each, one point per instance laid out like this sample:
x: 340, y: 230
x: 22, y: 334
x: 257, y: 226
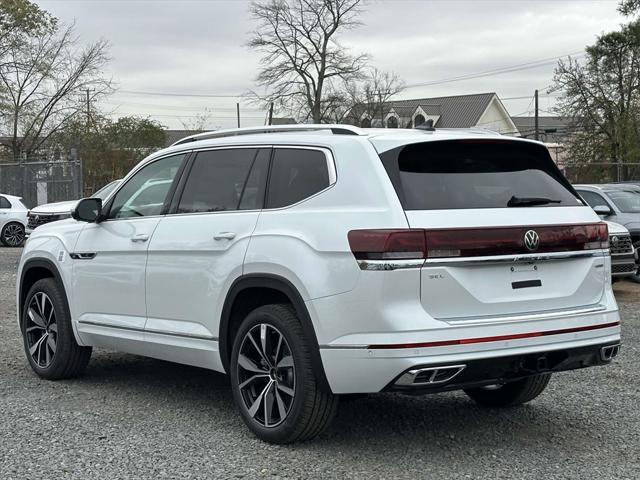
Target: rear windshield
x: 476, y: 174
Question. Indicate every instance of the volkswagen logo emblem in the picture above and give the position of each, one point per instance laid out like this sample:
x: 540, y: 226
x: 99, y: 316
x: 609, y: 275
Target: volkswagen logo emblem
x: 531, y: 240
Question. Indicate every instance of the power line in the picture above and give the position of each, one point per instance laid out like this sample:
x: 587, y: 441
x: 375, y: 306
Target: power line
x: 171, y: 94
x: 497, y: 71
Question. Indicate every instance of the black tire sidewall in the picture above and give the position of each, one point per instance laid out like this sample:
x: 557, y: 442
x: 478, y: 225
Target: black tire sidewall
x: 291, y: 425
x: 3, y: 231
x: 65, y: 339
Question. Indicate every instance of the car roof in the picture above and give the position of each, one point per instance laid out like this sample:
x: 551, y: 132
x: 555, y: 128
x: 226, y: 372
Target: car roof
x: 13, y: 197
x: 325, y: 135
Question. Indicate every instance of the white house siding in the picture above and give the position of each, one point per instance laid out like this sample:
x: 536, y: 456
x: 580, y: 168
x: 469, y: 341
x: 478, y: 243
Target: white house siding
x: 495, y: 118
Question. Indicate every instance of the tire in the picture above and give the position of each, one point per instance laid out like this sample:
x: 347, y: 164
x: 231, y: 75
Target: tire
x: 510, y: 394
x: 49, y: 342
x: 296, y: 407
x: 12, y: 234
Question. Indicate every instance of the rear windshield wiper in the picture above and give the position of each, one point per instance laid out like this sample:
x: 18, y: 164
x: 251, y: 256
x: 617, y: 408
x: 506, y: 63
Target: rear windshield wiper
x: 530, y: 201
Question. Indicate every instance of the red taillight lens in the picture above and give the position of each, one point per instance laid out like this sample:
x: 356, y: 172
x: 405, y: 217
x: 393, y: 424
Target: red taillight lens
x: 474, y: 242
x: 387, y: 244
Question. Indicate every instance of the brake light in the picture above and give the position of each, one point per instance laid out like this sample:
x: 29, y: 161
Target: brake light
x: 474, y: 242
x: 387, y: 244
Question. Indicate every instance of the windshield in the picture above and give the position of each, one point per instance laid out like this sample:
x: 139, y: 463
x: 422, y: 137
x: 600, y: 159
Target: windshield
x: 476, y: 174
x: 106, y: 190
x: 627, y: 202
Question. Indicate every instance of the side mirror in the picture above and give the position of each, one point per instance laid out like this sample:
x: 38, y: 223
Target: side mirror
x: 602, y: 210
x: 87, y: 210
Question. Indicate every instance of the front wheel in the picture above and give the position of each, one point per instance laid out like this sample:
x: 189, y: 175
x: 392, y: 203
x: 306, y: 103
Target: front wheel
x: 510, y: 394
x: 273, y: 381
x: 49, y: 343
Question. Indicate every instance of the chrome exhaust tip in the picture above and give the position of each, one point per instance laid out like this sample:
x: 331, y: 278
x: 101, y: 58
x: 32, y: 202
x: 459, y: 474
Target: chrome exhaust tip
x: 609, y: 352
x: 429, y: 375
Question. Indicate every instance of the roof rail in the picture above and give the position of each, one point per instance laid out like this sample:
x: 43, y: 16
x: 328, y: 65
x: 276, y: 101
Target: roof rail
x: 335, y: 129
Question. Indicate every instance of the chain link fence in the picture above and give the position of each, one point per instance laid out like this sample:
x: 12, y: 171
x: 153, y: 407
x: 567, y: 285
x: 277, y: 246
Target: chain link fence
x: 40, y: 180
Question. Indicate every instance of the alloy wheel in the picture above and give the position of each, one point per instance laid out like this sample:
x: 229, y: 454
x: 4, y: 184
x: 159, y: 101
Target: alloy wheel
x: 41, y: 329
x: 266, y: 375
x: 13, y: 235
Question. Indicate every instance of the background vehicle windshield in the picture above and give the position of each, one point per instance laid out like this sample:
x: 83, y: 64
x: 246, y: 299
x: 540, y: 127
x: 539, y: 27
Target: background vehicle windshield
x: 627, y: 202
x: 106, y: 190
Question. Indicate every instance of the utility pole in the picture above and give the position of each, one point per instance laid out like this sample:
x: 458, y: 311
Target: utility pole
x: 238, y: 113
x: 88, y: 92
x: 271, y: 114
x: 536, y: 122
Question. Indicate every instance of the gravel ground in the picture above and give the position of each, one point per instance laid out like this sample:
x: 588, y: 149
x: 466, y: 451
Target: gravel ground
x: 131, y: 417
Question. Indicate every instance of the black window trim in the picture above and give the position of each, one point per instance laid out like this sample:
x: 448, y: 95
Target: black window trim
x: 328, y: 153
x: 177, y: 196
x: 170, y: 195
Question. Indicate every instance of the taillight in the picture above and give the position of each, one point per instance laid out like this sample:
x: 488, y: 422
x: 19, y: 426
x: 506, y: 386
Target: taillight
x: 387, y: 244
x: 474, y: 242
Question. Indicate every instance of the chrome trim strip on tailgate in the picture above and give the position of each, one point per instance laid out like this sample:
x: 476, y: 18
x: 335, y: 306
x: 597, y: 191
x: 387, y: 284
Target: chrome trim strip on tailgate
x: 496, y: 319
x: 524, y: 258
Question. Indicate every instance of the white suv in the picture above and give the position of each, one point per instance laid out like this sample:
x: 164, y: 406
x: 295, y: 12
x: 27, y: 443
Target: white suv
x: 311, y: 262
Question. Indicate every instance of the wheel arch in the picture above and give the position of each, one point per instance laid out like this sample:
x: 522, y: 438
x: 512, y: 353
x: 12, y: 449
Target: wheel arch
x: 32, y: 271
x: 280, y: 289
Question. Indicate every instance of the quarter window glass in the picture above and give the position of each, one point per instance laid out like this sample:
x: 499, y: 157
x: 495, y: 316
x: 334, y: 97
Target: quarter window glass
x: 146, y: 192
x: 593, y: 199
x: 4, y: 203
x: 296, y: 174
x: 217, y: 180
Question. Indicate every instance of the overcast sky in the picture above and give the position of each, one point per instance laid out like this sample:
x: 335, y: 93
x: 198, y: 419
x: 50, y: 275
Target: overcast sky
x: 197, y: 47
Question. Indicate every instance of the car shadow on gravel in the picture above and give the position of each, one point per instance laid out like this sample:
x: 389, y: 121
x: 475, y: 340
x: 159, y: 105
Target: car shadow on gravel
x: 435, y: 424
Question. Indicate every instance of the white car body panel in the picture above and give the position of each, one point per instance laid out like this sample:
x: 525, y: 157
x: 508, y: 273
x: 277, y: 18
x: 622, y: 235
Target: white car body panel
x: 163, y: 297
x: 17, y: 212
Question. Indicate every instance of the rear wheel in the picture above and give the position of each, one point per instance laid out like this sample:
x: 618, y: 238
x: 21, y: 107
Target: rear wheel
x: 49, y: 343
x: 273, y: 381
x: 12, y: 234
x: 510, y: 394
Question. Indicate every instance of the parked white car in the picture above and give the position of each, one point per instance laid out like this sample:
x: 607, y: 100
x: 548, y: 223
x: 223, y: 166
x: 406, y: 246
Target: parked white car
x: 314, y: 261
x: 52, y: 212
x: 13, y: 220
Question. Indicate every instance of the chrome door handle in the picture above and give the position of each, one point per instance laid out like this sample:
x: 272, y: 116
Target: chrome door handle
x: 224, y: 236
x: 142, y: 237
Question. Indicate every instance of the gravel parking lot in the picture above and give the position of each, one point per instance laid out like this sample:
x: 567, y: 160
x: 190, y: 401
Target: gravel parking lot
x: 131, y: 417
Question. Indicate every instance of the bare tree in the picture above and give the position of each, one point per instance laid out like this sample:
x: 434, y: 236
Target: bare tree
x: 370, y: 98
x: 303, y: 64
x: 44, y: 77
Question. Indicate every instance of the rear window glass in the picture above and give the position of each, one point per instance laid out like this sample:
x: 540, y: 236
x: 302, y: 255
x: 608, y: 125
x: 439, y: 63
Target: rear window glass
x: 476, y: 174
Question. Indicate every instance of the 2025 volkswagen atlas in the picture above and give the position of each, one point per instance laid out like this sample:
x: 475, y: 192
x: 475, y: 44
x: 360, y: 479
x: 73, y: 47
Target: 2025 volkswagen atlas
x: 319, y: 260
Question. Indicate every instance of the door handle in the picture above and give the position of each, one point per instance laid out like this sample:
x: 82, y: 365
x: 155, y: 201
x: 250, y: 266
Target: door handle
x: 224, y: 236
x: 142, y: 237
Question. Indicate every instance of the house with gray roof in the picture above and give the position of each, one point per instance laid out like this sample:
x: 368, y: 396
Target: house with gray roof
x: 483, y: 110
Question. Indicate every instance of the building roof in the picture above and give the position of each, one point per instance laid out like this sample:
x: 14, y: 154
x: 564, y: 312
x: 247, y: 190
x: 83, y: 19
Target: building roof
x: 561, y: 125
x: 459, y: 111
x: 172, y: 136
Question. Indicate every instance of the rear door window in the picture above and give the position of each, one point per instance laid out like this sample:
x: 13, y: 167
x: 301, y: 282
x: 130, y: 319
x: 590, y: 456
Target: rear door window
x: 296, y: 174
x: 220, y: 180
x: 476, y: 174
x: 4, y: 203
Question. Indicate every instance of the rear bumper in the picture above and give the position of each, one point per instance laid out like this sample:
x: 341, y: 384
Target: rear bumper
x: 367, y: 370
x: 491, y: 371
